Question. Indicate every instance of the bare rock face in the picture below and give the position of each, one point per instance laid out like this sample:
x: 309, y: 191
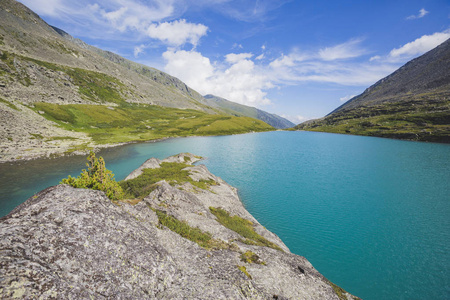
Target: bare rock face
x: 67, y: 243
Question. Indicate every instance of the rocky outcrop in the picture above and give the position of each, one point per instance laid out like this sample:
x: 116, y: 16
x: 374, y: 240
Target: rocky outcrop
x: 67, y: 243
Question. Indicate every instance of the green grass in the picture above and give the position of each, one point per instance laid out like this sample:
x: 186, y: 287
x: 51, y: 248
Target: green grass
x: 203, y: 239
x: 243, y: 227
x: 134, y: 122
x: 173, y: 173
x: 425, y: 118
x: 9, y: 104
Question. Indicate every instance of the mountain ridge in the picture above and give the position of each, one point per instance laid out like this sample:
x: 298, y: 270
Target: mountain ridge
x: 53, y: 87
x: 240, y: 109
x: 412, y: 103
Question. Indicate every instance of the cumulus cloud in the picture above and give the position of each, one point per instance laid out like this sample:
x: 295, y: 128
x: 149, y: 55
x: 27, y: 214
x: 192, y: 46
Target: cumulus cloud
x: 191, y: 67
x: 422, y: 13
x: 345, y: 50
x: 420, y: 45
x: 178, y: 32
x: 240, y: 80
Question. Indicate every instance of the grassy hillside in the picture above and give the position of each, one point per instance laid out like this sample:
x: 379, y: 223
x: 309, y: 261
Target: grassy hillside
x: 141, y: 122
x: 411, y: 120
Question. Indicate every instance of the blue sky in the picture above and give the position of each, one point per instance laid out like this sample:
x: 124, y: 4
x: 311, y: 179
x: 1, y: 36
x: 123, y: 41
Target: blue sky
x: 299, y: 59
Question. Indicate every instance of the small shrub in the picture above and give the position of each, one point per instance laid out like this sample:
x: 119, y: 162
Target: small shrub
x: 97, y: 177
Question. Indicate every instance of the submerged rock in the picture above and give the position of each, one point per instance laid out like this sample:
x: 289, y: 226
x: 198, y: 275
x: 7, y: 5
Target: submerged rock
x: 68, y: 243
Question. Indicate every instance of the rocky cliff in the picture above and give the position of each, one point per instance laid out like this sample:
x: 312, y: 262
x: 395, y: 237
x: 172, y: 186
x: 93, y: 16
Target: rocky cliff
x: 182, y: 241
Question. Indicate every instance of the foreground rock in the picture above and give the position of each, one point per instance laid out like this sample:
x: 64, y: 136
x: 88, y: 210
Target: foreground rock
x: 69, y: 243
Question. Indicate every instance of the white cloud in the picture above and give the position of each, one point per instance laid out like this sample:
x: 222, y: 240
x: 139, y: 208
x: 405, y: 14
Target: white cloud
x: 346, y: 98
x: 241, y: 81
x: 345, y: 50
x: 178, y: 32
x: 191, y: 67
x: 376, y: 57
x: 420, y: 45
x: 138, y: 50
x: 234, y: 58
x: 259, y: 57
x: 422, y: 13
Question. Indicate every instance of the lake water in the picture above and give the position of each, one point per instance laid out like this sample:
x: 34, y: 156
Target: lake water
x: 371, y: 214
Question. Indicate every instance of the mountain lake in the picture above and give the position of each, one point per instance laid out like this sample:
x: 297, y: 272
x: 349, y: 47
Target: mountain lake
x: 370, y: 214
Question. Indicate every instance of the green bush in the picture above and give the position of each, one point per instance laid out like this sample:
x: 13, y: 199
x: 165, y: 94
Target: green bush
x: 97, y: 177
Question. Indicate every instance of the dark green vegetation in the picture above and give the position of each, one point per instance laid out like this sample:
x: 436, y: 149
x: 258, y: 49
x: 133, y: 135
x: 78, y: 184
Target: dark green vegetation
x: 97, y: 177
x: 203, y: 239
x: 239, y: 110
x: 411, y: 120
x: 173, y: 173
x: 412, y: 103
x: 140, y: 122
x: 243, y: 227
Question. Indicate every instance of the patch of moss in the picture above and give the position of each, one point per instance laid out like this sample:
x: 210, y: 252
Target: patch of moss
x: 203, y: 239
x: 173, y: 173
x: 251, y: 258
x: 243, y: 269
x: 243, y: 227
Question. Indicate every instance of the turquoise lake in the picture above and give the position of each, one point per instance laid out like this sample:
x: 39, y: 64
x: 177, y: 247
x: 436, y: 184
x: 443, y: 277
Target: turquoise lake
x: 371, y: 214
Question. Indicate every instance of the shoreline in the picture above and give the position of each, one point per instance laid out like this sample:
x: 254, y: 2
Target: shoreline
x: 46, y: 153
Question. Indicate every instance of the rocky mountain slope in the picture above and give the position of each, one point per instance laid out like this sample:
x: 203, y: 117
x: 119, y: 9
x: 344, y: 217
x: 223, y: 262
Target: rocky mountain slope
x: 181, y: 241
x: 244, y: 110
x: 412, y: 103
x: 54, y: 87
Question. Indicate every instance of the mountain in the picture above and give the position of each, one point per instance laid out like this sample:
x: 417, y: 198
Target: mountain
x: 412, y: 103
x: 237, y: 109
x: 189, y: 239
x: 60, y: 95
